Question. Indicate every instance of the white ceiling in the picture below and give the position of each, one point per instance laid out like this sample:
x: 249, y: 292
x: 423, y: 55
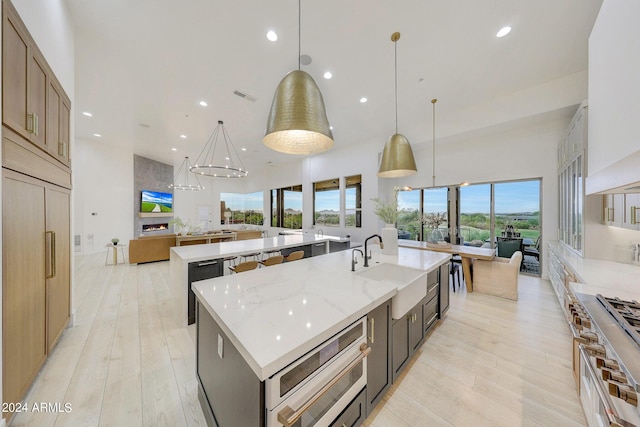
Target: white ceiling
x: 151, y: 61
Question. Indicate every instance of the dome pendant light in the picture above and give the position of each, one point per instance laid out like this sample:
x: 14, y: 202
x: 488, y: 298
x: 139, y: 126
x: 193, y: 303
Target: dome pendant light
x: 397, y: 156
x: 297, y: 122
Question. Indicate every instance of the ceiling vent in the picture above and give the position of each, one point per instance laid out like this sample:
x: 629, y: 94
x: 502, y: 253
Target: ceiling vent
x: 244, y: 95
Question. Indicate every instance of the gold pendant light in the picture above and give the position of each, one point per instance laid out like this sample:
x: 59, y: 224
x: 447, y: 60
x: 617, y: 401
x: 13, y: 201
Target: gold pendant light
x: 433, y: 157
x: 397, y: 156
x: 297, y: 122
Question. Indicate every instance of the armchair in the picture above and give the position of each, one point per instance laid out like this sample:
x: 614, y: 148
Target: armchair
x: 498, y: 277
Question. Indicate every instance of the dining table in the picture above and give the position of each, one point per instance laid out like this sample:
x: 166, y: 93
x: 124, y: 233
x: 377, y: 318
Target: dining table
x: 467, y: 254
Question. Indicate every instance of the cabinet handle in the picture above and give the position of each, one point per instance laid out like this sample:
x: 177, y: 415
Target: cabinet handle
x: 36, y: 124
x: 204, y: 264
x: 52, y: 254
x: 634, y: 216
x: 372, y: 329
x: 62, y: 149
x: 288, y: 416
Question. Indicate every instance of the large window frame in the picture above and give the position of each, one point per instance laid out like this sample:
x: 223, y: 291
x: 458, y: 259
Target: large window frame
x: 281, y: 200
x: 326, y: 203
x: 242, y: 208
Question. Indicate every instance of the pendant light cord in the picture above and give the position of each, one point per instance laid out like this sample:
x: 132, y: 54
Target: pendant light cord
x: 433, y: 101
x: 299, y: 33
x: 395, y: 71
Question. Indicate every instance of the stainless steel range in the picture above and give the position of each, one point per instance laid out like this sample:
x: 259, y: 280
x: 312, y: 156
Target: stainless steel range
x: 608, y: 333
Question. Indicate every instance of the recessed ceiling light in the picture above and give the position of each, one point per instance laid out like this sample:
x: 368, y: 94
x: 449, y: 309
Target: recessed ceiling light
x: 97, y: 135
x: 363, y: 100
x: 183, y: 136
x: 331, y: 127
x: 174, y: 149
x: 88, y: 114
x: 272, y: 36
x: 243, y: 149
x: 328, y: 75
x: 203, y: 103
x: 503, y: 31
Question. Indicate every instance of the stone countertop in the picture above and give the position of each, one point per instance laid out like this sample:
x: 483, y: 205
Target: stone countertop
x: 203, y: 252
x: 275, y: 315
x: 596, y: 276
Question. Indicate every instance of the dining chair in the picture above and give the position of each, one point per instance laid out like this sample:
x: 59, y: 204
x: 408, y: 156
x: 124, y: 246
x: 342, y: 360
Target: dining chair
x: 533, y: 251
x: 293, y: 256
x: 244, y: 266
x: 277, y: 259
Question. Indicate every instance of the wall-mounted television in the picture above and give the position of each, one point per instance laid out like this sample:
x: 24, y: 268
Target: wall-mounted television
x: 155, y: 201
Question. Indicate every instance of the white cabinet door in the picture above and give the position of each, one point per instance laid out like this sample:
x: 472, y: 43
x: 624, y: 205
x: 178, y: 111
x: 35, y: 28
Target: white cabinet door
x: 631, y: 217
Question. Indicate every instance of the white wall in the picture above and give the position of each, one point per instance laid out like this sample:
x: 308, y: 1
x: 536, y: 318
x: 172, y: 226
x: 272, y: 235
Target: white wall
x: 614, y: 83
x: 104, y: 186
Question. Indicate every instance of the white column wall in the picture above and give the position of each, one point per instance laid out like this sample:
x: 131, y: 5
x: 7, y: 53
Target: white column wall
x: 104, y: 186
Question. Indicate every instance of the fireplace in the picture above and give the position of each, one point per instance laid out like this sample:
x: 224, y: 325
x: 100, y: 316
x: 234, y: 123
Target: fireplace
x: 155, y: 227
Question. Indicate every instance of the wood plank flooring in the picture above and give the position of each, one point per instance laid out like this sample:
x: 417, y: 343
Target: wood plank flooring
x: 492, y: 362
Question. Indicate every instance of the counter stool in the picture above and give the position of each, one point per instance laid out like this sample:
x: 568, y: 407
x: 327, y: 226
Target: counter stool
x: 244, y: 266
x: 278, y: 259
x: 293, y: 256
x: 254, y: 255
x: 454, y: 271
x: 268, y: 254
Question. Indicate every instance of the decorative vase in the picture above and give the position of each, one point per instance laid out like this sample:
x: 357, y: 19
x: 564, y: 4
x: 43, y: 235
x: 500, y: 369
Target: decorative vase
x: 436, y: 236
x: 389, y: 239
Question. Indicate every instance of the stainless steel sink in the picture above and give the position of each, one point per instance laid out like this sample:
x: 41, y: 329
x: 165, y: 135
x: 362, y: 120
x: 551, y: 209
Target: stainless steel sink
x: 411, y: 283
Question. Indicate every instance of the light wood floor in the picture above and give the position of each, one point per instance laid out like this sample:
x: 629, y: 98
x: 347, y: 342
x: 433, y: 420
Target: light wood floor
x: 492, y: 362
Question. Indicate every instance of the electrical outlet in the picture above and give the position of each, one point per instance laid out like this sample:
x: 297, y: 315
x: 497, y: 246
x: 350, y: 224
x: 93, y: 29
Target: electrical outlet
x: 220, y: 345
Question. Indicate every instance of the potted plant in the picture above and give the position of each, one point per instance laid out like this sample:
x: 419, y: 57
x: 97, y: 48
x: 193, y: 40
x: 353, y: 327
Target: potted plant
x: 433, y: 221
x: 115, y: 241
x: 178, y: 225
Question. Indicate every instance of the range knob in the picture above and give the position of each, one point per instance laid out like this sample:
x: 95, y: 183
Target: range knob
x: 582, y: 321
x: 623, y: 391
x: 612, y: 374
x: 607, y: 363
x: 589, y: 337
x: 596, y: 350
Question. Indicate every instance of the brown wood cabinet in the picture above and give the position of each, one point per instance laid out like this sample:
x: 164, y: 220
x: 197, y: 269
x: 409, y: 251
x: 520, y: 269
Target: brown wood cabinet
x: 34, y: 105
x: 35, y: 276
x: 36, y: 209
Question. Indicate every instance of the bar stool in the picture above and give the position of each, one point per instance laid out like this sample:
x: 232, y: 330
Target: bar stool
x: 277, y: 259
x: 254, y: 255
x: 454, y: 271
x: 270, y: 253
x: 293, y: 256
x: 244, y: 266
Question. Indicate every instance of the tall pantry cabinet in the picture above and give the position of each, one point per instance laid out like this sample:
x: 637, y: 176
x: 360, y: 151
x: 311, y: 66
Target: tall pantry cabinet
x: 36, y: 191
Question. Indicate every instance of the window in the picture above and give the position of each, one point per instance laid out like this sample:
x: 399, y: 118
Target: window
x: 238, y: 208
x: 409, y: 214
x: 353, y: 201
x: 286, y: 207
x: 517, y: 207
x: 326, y: 203
x: 435, y: 203
x: 475, y: 213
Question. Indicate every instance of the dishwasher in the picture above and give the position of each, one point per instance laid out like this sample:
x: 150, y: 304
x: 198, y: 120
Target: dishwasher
x: 201, y: 270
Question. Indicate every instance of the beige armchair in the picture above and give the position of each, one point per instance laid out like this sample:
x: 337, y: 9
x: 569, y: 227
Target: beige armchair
x: 498, y: 277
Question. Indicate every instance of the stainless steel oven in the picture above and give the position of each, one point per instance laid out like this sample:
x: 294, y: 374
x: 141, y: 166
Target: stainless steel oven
x: 316, y: 388
x: 608, y: 366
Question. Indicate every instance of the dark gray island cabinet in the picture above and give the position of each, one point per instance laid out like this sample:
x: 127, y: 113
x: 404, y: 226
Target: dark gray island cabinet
x: 274, y: 351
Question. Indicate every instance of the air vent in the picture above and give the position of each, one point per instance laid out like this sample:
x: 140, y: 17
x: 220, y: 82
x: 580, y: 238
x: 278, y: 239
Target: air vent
x: 244, y: 95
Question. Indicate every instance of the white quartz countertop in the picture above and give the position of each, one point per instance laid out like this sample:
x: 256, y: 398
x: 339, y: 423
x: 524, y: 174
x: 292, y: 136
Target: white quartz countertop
x: 276, y: 314
x: 193, y: 253
x: 596, y: 276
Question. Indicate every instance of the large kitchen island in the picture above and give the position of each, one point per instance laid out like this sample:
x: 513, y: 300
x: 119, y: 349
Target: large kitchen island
x: 312, y: 342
